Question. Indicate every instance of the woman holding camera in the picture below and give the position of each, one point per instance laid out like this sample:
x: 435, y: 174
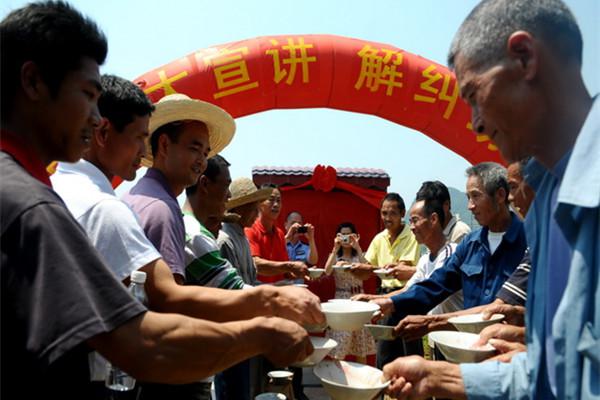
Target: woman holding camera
x: 346, y: 250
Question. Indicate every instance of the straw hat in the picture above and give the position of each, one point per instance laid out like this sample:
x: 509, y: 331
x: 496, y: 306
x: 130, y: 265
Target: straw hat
x: 244, y: 191
x: 179, y: 107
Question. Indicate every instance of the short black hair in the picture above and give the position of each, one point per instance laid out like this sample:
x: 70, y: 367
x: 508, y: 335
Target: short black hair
x: 121, y: 101
x: 53, y: 35
x: 395, y: 197
x: 214, y: 168
x: 435, y: 194
x: 433, y: 189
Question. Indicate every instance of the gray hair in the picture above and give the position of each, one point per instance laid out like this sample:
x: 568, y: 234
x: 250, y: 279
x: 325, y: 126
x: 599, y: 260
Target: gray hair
x: 492, y: 175
x: 482, y: 37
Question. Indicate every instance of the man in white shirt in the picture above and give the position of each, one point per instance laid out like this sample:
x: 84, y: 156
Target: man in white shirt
x: 116, y: 150
x: 454, y: 229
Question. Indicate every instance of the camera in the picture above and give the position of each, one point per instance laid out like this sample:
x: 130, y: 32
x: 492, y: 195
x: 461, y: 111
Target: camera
x: 345, y: 239
x: 302, y: 229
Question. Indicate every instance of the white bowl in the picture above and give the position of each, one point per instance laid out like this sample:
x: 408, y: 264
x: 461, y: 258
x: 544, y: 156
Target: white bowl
x: 474, y: 323
x: 270, y: 396
x: 280, y: 374
x: 315, y: 273
x: 457, y: 347
x: 348, y: 315
x: 322, y: 347
x: 344, y: 380
x: 383, y: 273
x: 381, y: 332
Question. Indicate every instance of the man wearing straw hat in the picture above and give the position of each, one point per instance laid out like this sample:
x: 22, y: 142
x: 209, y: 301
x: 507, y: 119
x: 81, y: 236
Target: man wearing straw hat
x: 244, y: 202
x: 183, y: 134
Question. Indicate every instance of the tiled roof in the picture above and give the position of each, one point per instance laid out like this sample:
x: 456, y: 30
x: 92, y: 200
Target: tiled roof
x: 307, y: 171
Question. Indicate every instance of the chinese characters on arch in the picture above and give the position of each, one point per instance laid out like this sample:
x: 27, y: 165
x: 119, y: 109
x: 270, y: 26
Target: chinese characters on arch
x: 304, y: 71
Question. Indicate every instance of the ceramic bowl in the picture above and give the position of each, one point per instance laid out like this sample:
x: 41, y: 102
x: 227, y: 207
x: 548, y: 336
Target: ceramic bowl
x: 381, y: 332
x: 344, y: 380
x: 383, y: 273
x: 458, y: 347
x: 271, y: 396
x: 315, y: 273
x: 322, y: 347
x: 474, y: 323
x: 280, y: 374
x: 348, y: 315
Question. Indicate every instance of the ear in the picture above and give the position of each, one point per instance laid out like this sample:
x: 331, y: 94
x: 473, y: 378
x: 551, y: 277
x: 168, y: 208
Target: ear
x: 163, y: 145
x: 101, y: 133
x: 31, y: 81
x: 522, y: 48
x: 501, y: 196
x: 203, y: 183
x: 435, y: 218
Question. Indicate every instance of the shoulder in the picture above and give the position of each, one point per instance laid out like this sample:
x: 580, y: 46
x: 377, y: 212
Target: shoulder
x: 114, y: 214
x: 21, y: 192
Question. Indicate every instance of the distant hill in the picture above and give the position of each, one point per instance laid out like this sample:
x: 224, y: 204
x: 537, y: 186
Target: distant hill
x: 460, y: 207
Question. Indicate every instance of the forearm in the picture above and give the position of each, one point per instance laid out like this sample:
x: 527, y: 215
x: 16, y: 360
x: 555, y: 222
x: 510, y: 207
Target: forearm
x: 170, y: 348
x: 314, y: 254
x: 269, y: 268
x: 361, y: 256
x: 217, y: 304
x: 330, y: 262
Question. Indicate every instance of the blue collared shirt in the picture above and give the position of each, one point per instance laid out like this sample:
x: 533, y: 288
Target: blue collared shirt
x: 471, y: 268
x: 576, y: 324
x: 298, y: 252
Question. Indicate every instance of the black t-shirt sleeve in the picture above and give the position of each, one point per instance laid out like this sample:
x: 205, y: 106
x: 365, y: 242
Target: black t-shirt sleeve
x: 56, y: 291
x: 514, y: 290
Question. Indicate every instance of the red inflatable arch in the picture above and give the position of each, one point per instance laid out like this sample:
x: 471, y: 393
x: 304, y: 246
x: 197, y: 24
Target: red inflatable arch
x: 307, y: 71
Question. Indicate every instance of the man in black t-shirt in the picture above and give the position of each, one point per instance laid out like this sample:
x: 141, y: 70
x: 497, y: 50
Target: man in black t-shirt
x: 59, y: 300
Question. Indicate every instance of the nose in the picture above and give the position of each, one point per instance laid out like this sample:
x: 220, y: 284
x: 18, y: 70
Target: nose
x: 476, y: 120
x: 470, y: 205
x: 95, y: 117
x: 511, y: 197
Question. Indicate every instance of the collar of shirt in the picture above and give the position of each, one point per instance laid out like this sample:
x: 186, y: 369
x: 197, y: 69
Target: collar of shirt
x: 159, y: 177
x: 235, y: 227
x: 450, y: 225
x: 511, y: 233
x: 202, y: 229
x: 84, y: 167
x: 24, y: 155
x: 401, y: 236
x: 581, y: 183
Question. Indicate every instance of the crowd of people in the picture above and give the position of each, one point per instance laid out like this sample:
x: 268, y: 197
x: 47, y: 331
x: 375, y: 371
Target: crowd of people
x: 226, y: 301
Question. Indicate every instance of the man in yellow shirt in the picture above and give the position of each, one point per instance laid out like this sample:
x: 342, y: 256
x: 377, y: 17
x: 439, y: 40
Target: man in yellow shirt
x: 395, y: 249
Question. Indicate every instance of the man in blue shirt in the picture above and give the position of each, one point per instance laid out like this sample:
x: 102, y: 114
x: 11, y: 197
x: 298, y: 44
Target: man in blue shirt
x: 296, y: 248
x: 528, y: 54
x: 485, y: 258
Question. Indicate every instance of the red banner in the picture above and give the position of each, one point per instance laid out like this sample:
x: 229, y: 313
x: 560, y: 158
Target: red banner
x: 307, y: 71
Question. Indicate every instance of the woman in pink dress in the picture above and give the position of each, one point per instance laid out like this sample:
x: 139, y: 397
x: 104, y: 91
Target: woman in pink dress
x: 346, y: 250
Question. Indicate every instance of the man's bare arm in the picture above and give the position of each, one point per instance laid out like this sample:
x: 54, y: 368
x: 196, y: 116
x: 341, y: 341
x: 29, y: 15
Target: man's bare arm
x: 220, y: 305
x: 171, y: 348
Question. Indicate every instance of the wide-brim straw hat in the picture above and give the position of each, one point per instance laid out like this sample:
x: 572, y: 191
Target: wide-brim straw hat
x: 244, y: 191
x: 179, y: 107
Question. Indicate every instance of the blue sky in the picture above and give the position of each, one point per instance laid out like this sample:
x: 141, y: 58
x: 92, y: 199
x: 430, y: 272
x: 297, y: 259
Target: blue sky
x: 143, y: 35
